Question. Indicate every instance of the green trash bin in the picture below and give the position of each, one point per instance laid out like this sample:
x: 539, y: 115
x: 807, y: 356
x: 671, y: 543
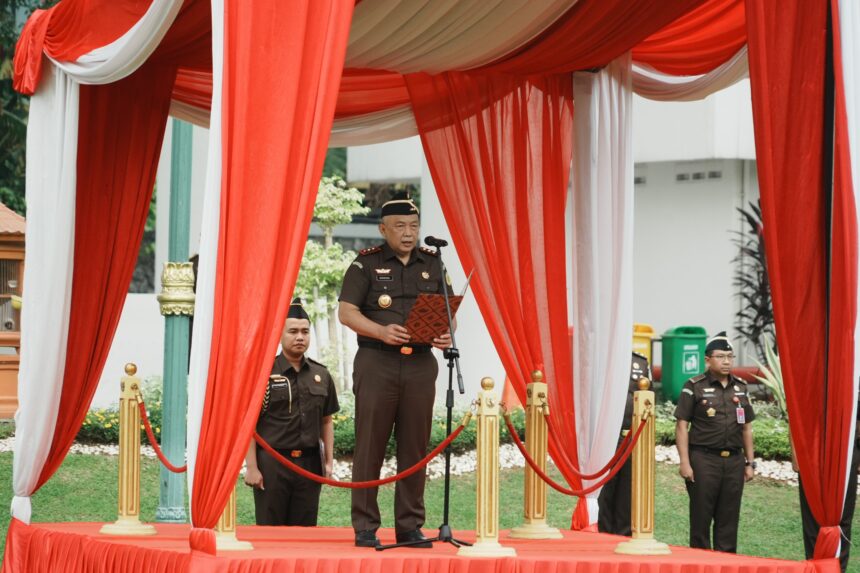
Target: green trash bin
x: 683, y: 358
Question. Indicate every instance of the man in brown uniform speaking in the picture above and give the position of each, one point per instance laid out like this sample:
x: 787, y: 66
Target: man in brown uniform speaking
x: 394, y: 382
x: 296, y: 415
x: 717, y: 453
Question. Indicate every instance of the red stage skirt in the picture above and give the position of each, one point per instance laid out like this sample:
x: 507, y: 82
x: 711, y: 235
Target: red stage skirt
x: 78, y: 547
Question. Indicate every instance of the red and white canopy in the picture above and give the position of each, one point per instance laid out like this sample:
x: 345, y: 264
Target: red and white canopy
x: 505, y: 95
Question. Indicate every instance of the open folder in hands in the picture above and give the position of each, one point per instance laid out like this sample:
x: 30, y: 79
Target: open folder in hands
x: 428, y: 318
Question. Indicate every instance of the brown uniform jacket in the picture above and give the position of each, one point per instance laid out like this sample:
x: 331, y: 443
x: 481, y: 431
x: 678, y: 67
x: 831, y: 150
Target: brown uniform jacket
x: 639, y: 367
x: 377, y: 278
x: 712, y: 410
x: 293, y: 409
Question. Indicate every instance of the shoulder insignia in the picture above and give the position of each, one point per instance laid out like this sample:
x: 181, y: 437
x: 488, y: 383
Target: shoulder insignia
x: 640, y: 355
x: 427, y: 251
x: 370, y: 250
x: 320, y: 364
x: 698, y: 378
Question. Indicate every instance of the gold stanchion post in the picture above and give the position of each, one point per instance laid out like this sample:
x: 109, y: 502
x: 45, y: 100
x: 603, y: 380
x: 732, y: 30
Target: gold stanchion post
x: 534, y: 501
x: 644, y: 468
x: 487, y: 526
x: 128, y: 521
x: 225, y: 530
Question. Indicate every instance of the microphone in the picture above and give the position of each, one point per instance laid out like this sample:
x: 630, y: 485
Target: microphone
x: 434, y: 242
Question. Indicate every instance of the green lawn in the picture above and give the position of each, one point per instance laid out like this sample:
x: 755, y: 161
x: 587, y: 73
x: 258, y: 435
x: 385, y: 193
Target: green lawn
x: 84, y: 489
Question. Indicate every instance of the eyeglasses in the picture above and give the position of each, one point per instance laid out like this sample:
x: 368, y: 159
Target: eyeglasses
x: 723, y: 357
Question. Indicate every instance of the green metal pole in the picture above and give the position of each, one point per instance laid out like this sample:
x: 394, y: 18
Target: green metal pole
x: 177, y: 305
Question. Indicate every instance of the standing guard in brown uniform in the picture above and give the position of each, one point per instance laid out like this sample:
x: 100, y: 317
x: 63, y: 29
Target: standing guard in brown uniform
x: 295, y: 420
x: 615, y: 497
x: 717, y: 453
x: 394, y: 382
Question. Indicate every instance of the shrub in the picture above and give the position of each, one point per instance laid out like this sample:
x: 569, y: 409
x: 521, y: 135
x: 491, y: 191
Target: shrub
x: 101, y: 425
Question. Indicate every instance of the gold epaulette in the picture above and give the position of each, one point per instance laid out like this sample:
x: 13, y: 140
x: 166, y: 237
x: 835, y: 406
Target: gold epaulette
x: 427, y: 251
x: 370, y: 250
x: 698, y: 378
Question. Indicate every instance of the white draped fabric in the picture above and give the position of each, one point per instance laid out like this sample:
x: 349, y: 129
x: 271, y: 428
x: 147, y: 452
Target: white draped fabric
x: 849, y: 31
x: 602, y: 260
x: 52, y: 144
x: 204, y: 306
x: 438, y: 35
x: 386, y: 125
x: 652, y: 84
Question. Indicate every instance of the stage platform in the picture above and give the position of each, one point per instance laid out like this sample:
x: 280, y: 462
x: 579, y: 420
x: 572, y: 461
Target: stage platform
x: 78, y: 547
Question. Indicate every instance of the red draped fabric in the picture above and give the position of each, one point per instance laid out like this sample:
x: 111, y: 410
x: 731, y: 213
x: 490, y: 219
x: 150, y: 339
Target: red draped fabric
x: 362, y: 91
x: 591, y: 34
x: 69, y: 30
x: 499, y: 151
x: 698, y: 41
x: 275, y: 130
x: 787, y: 60
x: 116, y: 166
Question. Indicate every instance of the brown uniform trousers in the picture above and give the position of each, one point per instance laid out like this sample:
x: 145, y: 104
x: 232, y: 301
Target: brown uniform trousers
x: 289, y: 499
x: 715, y: 494
x: 392, y: 390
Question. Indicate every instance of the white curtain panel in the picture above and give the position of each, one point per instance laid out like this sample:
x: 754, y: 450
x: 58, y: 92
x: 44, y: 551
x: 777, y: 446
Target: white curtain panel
x: 849, y: 31
x: 124, y: 55
x: 52, y: 140
x: 52, y: 151
x: 437, y: 35
x: 602, y: 260
x: 204, y: 306
x: 652, y: 84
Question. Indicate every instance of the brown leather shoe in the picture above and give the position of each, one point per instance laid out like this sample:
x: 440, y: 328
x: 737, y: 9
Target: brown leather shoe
x: 366, y: 538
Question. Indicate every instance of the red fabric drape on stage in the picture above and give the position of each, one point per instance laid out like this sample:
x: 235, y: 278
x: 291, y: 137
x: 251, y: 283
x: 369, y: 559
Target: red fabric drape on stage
x: 275, y: 130
x: 116, y: 166
x: 69, y: 30
x: 697, y: 42
x: 499, y: 151
x: 591, y: 34
x: 787, y: 62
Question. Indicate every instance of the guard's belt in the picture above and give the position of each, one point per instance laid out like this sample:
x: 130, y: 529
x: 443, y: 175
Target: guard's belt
x: 405, y: 349
x: 723, y: 453
x: 299, y: 453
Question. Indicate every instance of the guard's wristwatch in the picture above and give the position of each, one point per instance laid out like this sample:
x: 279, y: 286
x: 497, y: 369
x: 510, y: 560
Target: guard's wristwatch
x: 751, y: 464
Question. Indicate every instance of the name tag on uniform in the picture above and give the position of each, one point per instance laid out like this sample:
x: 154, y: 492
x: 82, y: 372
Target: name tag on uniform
x: 742, y: 418
x: 384, y: 278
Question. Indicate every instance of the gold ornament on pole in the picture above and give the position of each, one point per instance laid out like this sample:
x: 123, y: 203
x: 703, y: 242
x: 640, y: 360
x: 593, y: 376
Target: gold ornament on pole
x: 225, y: 530
x: 487, y: 526
x: 644, y: 476
x: 128, y: 521
x: 534, y: 501
x: 177, y: 289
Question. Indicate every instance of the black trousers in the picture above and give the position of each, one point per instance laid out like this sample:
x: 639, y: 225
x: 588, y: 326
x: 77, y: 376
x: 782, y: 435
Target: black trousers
x: 810, y: 526
x: 614, y: 502
x: 715, y: 497
x: 289, y: 499
x: 392, y: 391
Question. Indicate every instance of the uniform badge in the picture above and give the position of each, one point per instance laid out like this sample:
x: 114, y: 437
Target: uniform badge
x: 357, y: 264
x: 384, y: 300
x: 711, y: 412
x: 737, y: 389
x: 447, y: 279
x: 425, y: 275
x: 383, y: 271
x: 317, y: 378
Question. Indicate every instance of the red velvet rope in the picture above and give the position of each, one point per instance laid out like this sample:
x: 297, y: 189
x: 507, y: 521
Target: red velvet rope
x: 358, y: 484
x: 143, y: 416
x: 560, y: 488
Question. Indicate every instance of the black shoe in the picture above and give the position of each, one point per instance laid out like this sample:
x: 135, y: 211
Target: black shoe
x: 414, y: 536
x: 366, y: 538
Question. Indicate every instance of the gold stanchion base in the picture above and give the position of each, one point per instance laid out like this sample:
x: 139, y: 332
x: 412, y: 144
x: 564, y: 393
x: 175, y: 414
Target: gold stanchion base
x: 643, y: 546
x: 127, y: 526
x: 229, y: 542
x: 487, y: 549
x: 537, y: 530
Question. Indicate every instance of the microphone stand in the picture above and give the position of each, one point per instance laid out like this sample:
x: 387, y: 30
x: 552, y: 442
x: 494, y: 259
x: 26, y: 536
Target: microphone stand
x: 451, y: 354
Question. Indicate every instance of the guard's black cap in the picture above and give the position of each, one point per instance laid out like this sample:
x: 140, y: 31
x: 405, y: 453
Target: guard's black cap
x: 719, y: 342
x: 297, y: 310
x: 401, y: 204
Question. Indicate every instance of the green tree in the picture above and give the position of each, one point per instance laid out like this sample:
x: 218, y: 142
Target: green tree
x: 323, y: 265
